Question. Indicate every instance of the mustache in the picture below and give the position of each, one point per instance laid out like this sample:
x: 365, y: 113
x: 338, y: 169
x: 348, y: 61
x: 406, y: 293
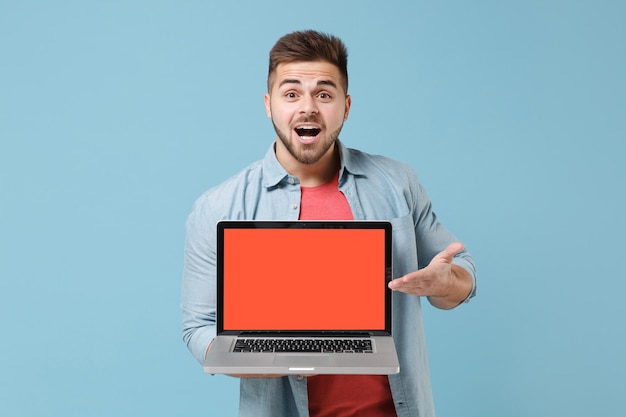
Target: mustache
x: 309, y: 119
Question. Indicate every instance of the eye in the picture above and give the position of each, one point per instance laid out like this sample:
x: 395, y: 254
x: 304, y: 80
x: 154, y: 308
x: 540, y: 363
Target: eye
x: 324, y: 96
x: 291, y: 95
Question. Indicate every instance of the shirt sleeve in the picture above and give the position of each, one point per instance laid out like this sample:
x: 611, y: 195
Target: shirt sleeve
x: 198, y: 298
x: 432, y: 237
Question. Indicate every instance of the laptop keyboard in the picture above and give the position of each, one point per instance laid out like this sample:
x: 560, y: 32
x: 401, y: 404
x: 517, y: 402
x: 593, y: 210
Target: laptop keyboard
x: 304, y: 345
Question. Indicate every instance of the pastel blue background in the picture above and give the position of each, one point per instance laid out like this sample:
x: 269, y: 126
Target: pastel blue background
x: 116, y: 115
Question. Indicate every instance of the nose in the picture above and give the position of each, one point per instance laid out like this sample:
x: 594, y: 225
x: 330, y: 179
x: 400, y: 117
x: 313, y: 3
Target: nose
x: 309, y: 105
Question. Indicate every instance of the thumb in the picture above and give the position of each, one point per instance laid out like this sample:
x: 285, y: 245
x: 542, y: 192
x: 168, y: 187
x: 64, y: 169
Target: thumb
x: 448, y: 253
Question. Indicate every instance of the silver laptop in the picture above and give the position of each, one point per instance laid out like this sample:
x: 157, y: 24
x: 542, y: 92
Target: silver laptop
x: 303, y: 297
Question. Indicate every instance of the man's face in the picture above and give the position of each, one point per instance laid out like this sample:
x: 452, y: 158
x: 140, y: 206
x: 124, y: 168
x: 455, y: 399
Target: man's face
x: 307, y: 105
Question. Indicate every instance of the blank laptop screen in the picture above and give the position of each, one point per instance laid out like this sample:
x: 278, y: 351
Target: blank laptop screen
x: 304, y: 279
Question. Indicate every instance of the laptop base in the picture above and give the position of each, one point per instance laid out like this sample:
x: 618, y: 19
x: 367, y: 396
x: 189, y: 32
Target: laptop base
x: 222, y: 361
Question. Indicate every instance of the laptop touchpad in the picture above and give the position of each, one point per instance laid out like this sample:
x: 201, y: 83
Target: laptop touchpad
x: 300, y: 361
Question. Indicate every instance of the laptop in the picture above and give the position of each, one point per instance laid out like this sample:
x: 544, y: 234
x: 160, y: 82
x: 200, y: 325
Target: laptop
x: 303, y: 297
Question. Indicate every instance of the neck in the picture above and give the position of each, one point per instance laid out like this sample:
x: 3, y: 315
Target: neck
x: 316, y: 174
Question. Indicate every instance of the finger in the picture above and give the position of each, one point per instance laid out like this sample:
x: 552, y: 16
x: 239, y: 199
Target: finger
x: 407, y: 287
x: 397, y: 284
x: 407, y: 282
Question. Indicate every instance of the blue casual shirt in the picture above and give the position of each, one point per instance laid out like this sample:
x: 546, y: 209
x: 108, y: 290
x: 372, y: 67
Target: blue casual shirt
x: 377, y: 188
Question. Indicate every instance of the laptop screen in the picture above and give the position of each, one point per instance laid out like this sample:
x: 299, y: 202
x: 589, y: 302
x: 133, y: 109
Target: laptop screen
x: 304, y: 276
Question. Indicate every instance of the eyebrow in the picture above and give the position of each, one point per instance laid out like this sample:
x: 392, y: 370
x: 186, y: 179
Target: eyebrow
x: 320, y: 82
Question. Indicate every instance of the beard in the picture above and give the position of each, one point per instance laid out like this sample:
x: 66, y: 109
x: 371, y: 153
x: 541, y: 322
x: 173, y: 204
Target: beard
x: 308, y: 153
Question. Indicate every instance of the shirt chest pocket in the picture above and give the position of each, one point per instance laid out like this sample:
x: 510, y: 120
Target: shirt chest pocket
x: 404, y: 246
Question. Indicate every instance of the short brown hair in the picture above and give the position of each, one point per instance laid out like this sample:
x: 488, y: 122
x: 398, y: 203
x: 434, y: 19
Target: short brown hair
x: 309, y: 45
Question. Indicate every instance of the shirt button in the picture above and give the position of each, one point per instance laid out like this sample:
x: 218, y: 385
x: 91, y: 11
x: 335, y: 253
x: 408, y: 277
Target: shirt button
x: 291, y: 180
x: 294, y: 206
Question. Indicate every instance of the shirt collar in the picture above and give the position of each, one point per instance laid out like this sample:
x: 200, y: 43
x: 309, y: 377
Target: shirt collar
x: 274, y: 173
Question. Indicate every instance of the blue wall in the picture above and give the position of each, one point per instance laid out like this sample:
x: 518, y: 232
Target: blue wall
x: 115, y: 116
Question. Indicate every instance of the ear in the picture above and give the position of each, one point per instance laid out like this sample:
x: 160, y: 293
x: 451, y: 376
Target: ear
x: 268, y: 108
x: 347, y: 111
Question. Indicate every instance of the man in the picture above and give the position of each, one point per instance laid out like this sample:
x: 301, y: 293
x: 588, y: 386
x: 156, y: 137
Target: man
x: 309, y: 174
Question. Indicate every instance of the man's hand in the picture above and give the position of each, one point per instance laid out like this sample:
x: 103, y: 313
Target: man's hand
x: 445, y: 285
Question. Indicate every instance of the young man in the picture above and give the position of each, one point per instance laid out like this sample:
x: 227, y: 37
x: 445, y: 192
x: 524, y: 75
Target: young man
x: 309, y: 174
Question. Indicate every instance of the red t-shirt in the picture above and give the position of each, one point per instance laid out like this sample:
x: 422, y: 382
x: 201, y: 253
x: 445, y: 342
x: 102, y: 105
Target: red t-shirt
x: 342, y: 395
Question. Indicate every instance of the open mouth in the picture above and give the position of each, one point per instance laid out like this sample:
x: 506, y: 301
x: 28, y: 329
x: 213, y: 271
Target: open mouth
x: 307, y: 131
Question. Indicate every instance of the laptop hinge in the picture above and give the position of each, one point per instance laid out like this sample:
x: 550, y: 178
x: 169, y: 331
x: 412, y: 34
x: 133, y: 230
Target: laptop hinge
x: 303, y: 334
